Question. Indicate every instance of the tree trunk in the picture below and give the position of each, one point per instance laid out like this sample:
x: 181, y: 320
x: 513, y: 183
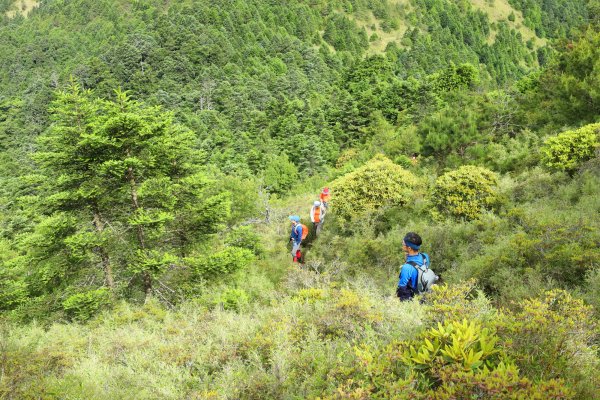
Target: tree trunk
x: 101, y: 251
x: 146, y: 277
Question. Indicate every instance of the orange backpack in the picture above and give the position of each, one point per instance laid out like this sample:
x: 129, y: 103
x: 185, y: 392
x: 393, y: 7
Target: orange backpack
x: 317, y: 214
x: 304, y: 231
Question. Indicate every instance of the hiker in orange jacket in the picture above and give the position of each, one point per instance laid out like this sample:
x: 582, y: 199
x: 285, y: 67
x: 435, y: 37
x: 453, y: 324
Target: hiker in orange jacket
x: 317, y: 216
x: 325, y: 197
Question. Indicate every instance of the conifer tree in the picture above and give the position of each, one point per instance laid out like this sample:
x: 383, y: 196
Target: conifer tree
x: 127, y: 187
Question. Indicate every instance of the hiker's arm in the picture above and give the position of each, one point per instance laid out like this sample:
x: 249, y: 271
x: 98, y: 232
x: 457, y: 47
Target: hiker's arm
x: 312, y: 214
x: 404, y: 277
x: 403, y: 292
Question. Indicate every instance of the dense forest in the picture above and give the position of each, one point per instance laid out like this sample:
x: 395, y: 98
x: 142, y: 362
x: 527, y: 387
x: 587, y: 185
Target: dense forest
x: 152, y: 151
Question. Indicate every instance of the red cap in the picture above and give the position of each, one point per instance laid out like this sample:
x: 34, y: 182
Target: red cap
x: 326, y: 190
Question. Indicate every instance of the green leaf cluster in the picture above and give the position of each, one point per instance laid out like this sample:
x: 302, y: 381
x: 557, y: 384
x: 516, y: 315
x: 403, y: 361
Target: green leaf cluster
x: 465, y: 344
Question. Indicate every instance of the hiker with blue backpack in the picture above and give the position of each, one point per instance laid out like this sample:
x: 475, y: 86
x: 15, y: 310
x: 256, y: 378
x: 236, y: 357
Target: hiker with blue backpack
x: 415, y: 276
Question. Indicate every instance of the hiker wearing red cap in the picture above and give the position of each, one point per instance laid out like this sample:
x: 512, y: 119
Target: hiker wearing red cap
x: 325, y: 196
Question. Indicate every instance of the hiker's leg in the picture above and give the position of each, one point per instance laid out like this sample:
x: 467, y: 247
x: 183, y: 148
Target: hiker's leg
x: 295, y: 249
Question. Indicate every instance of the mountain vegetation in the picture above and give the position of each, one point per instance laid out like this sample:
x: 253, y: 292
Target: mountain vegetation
x: 152, y: 151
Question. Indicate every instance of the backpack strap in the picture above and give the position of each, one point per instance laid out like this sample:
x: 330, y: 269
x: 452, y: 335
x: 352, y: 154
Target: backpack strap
x: 420, y: 272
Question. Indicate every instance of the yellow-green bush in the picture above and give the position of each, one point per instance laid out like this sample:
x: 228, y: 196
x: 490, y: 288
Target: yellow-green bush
x: 467, y: 345
x: 464, y: 193
x: 378, y: 183
x: 554, y: 337
x: 454, y: 361
x: 567, y: 150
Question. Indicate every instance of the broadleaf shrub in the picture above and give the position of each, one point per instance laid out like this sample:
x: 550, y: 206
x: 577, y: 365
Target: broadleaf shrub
x: 465, y: 193
x: 568, y: 150
x: 378, y: 183
x: 554, y: 337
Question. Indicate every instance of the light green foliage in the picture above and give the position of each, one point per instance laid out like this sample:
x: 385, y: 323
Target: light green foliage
x: 503, y: 382
x: 227, y: 261
x: 82, y: 306
x: 567, y: 150
x: 234, y: 299
x: 290, y: 347
x: 454, y: 78
x: 465, y: 193
x: 270, y: 93
x: 553, y: 337
x: 458, y: 301
x: 245, y: 237
x: 127, y: 194
x: 13, y: 290
x: 452, y: 360
x: 465, y: 344
x: 245, y: 200
x: 378, y: 183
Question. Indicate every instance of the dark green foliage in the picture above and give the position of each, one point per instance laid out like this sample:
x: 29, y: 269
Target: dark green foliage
x: 343, y: 34
x: 280, y: 175
x: 564, y: 94
x: 118, y: 197
x: 552, y: 18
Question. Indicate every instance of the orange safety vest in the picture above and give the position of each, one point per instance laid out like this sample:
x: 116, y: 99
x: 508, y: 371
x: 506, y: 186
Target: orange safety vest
x: 317, y: 214
x: 324, y: 197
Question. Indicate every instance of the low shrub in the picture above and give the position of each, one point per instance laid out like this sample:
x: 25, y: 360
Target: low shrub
x: 554, y: 336
x: 465, y: 193
x: 378, y: 183
x: 568, y: 150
